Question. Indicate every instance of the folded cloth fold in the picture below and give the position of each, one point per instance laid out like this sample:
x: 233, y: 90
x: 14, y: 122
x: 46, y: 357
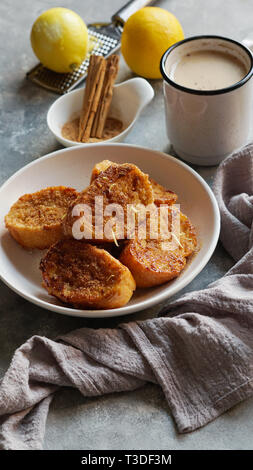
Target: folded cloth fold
x: 199, y: 350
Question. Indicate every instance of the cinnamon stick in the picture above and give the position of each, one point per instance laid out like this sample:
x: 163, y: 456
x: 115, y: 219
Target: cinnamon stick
x: 92, y: 94
x: 98, y: 125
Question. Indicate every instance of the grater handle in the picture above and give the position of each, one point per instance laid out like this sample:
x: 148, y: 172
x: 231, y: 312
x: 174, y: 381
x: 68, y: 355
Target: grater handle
x: 127, y: 10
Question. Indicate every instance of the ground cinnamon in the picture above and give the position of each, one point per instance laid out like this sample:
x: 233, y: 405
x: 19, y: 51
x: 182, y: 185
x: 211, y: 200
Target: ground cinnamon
x: 113, y: 127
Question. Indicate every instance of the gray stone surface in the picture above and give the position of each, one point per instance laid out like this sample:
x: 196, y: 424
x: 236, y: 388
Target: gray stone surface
x: 141, y: 419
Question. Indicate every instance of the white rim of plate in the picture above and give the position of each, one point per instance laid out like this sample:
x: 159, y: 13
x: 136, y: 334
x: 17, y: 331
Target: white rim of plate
x: 128, y: 309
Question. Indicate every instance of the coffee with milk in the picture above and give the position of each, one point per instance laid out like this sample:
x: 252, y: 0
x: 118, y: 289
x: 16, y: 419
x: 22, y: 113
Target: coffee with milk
x: 206, y: 70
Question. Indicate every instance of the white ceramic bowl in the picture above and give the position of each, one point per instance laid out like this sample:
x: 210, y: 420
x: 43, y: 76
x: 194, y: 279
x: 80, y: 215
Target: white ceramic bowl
x: 129, y: 98
x: 19, y: 268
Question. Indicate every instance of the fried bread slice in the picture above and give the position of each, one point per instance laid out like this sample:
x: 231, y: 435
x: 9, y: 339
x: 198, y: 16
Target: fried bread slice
x: 188, y: 237
x: 85, y: 276
x: 120, y: 184
x: 160, y: 194
x: 153, y: 262
x: 35, y: 220
x: 99, y: 167
x: 149, y: 264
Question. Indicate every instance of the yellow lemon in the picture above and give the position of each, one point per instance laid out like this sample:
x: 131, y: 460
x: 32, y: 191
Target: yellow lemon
x: 146, y: 36
x: 59, y: 39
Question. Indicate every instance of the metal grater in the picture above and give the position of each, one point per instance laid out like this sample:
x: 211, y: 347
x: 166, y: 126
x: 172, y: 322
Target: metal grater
x: 104, y: 39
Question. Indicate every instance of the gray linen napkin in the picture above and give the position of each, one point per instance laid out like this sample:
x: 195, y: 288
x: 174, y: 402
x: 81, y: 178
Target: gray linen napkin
x: 201, y: 354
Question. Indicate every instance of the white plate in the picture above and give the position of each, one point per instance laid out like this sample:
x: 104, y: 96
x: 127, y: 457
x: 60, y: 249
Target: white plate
x: 19, y: 269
